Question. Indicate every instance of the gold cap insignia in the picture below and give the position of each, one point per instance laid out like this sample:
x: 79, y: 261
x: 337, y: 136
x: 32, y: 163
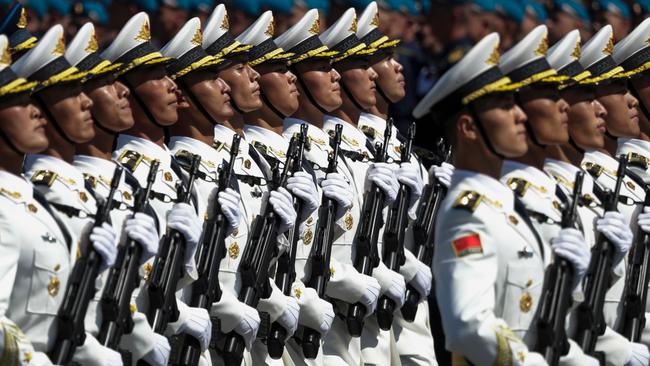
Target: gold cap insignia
x: 610, y: 45
x: 59, y: 50
x: 353, y: 27
x: 93, y: 46
x: 225, y: 25
x: 375, y: 20
x: 271, y: 28
x: 144, y: 34
x: 198, y: 37
x: 494, y: 57
x: 542, y: 49
x: 315, y: 28
x: 576, y: 50
x: 22, y: 21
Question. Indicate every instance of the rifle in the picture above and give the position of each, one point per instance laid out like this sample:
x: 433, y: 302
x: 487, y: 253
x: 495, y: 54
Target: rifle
x: 366, y: 237
x: 321, y: 251
x: 556, y: 296
x: 424, y: 229
x: 636, y: 286
x: 396, y: 222
x: 211, y: 250
x: 591, y: 322
x: 261, y: 247
x: 81, y: 287
x: 123, y: 279
x: 285, y: 272
x: 166, y: 271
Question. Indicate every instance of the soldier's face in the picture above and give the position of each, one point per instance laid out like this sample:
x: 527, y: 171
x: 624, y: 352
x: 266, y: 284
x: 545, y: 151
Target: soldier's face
x: 622, y: 116
x: 23, y: 123
x: 547, y: 114
x: 245, y: 89
x: 503, y: 121
x: 70, y: 107
x: 389, y: 76
x: 111, y: 107
x: 322, y: 81
x: 642, y: 86
x: 158, y: 93
x: 359, y: 77
x: 212, y: 92
x: 586, y: 118
x: 279, y: 86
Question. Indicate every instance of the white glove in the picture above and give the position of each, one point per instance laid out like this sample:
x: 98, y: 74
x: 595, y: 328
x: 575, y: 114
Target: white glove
x: 142, y: 228
x: 104, y: 241
x: 281, y: 308
x: 442, y: 173
x: 197, y: 324
x: 570, y: 244
x: 639, y: 355
x: 229, y: 202
x: 392, y: 284
x: 422, y: 280
x: 302, y: 186
x: 614, y: 227
x: 183, y: 218
x: 282, y: 204
x: 315, y: 313
x: 590, y: 361
x: 350, y: 286
x: 383, y: 175
x: 409, y: 175
x: 159, y: 355
x: 237, y: 316
x: 335, y: 187
x: 644, y: 220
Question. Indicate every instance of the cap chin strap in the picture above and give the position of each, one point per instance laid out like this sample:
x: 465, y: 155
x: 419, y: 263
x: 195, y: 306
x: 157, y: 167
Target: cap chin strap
x: 311, y: 98
x: 11, y: 145
x: 644, y: 108
x: 276, y: 111
x: 145, y: 109
x: 529, y: 127
x: 484, y: 135
x: 575, y: 146
x: 106, y: 130
x: 382, y: 94
x: 347, y: 91
x: 195, y: 101
x: 50, y: 117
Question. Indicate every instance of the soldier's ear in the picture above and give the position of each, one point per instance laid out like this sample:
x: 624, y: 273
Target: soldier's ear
x: 465, y: 127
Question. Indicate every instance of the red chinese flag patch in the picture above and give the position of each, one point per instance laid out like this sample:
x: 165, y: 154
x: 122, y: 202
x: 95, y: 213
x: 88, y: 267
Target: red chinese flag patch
x: 466, y: 245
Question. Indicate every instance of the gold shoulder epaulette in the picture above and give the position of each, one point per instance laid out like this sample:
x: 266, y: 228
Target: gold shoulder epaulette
x: 130, y: 159
x: 263, y: 149
x: 638, y: 160
x: 594, y: 169
x: 519, y: 186
x: 90, y: 179
x: 44, y: 178
x: 468, y: 200
x: 184, y: 156
x: 369, y: 132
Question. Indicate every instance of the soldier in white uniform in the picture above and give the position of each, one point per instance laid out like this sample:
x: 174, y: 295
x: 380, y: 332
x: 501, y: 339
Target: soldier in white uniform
x: 36, y: 258
x: 154, y: 104
x: 319, y: 93
x: 204, y: 102
x: 67, y: 109
x: 631, y: 54
x: 390, y: 89
x: 253, y: 173
x: 111, y: 114
x: 489, y: 261
x: 586, y: 130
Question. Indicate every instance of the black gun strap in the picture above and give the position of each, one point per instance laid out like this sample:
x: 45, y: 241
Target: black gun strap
x: 255, y: 155
x: 371, y: 147
x: 635, y: 177
x: 559, y: 193
x: 176, y: 167
x: 40, y: 198
x: 520, y: 208
x: 132, y: 182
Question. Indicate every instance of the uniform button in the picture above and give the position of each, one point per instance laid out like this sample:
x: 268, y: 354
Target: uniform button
x: 233, y: 250
x: 513, y: 220
x: 57, y: 267
x: 630, y: 185
x: 133, y: 308
x: 307, y: 237
x: 529, y: 282
x: 83, y: 196
x: 297, y: 292
x: 310, y: 220
x: 235, y: 232
x: 53, y: 286
x: 147, y: 270
x: 332, y: 271
x: 349, y: 221
x: 557, y: 205
x: 28, y: 356
x: 167, y: 176
x: 32, y: 208
x: 127, y: 196
x: 247, y: 164
x: 525, y: 302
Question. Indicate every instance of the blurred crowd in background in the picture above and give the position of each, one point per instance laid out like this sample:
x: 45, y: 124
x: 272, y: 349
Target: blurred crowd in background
x: 435, y: 33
